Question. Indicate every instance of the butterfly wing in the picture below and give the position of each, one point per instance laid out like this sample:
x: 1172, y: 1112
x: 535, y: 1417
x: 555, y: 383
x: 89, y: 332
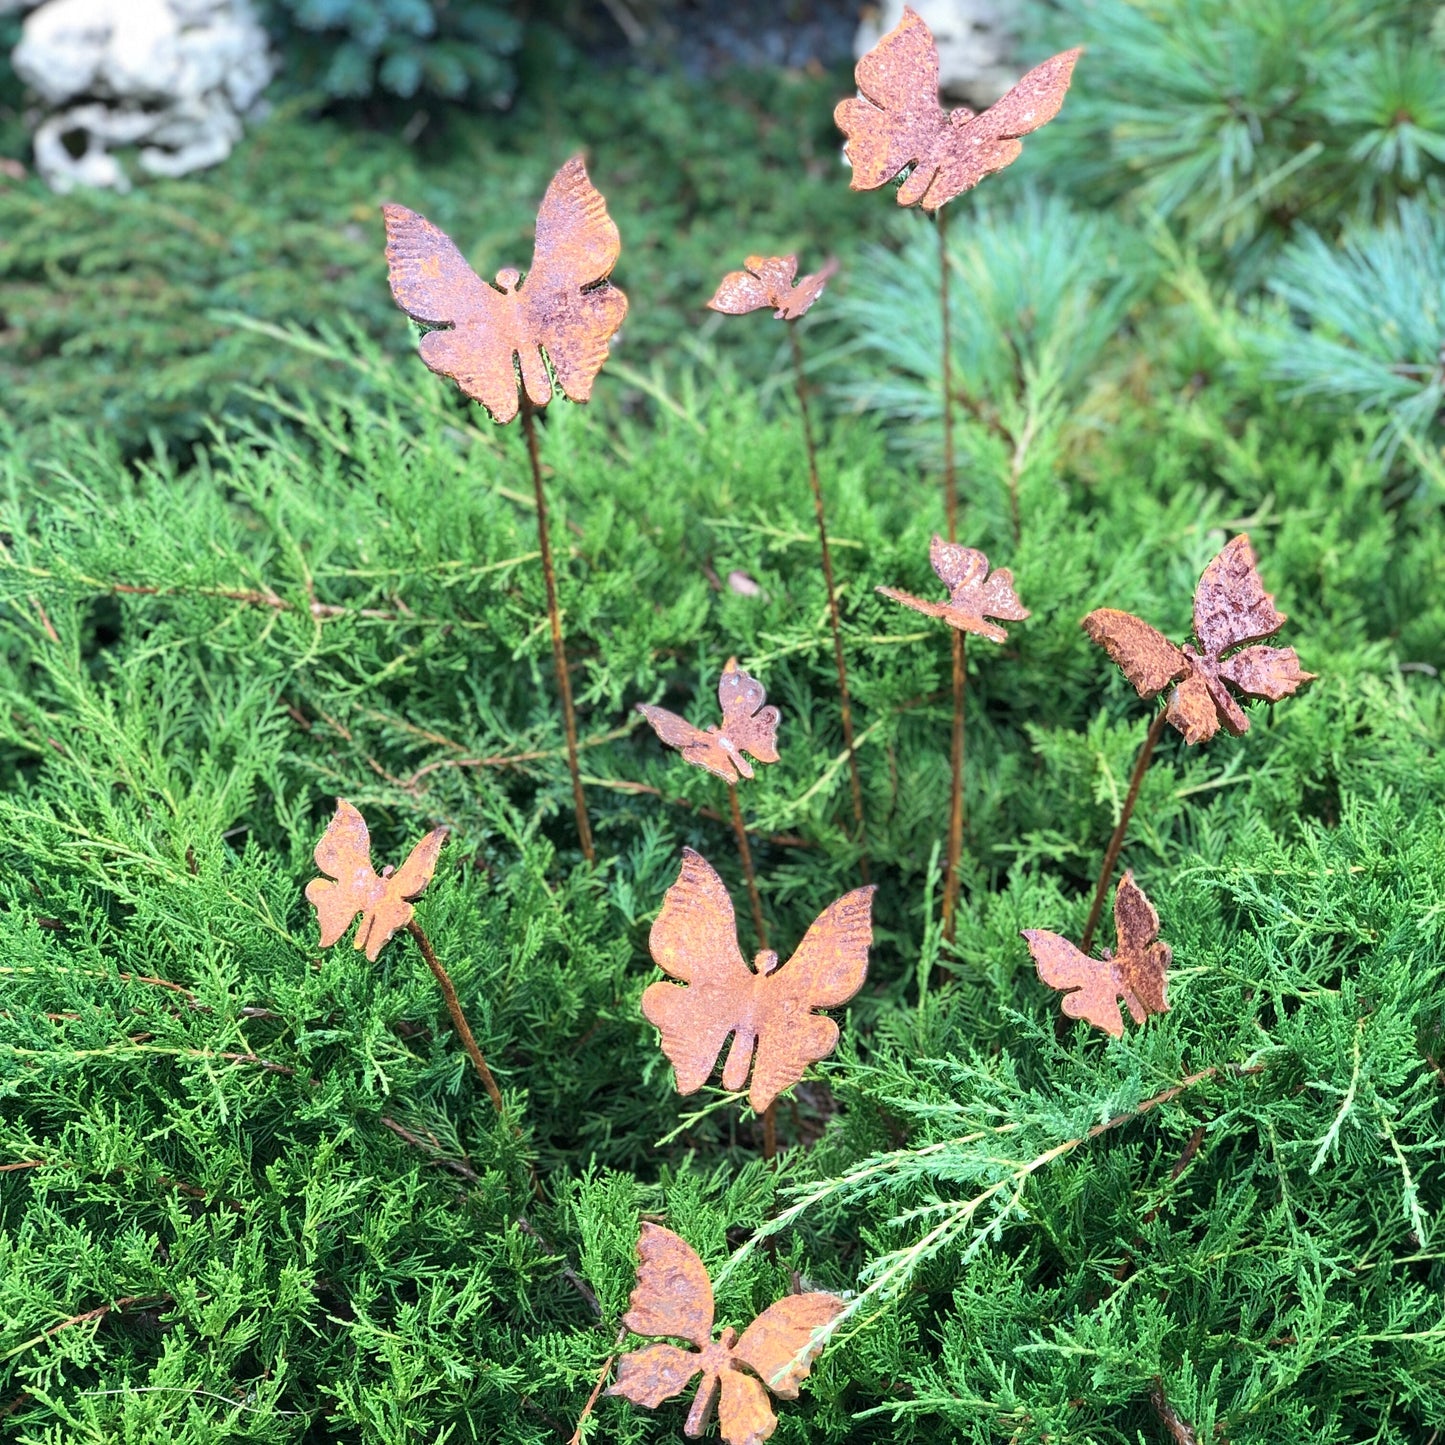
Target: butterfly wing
x: 673, y: 1295
x: 747, y: 724
x: 393, y: 910
x: 1230, y: 604
x: 431, y: 282
x: 781, y: 1344
x: 703, y: 749
x: 656, y: 1373
x: 978, y: 145
x: 1142, y: 962
x: 826, y: 971
x: 794, y: 301
x: 1150, y: 661
x: 343, y: 854
x: 896, y: 118
x: 1193, y: 710
x: 740, y: 292
x: 745, y: 1414
x: 929, y: 609
x: 1267, y: 672
x: 1093, y: 990
x: 695, y: 939
x: 572, y: 310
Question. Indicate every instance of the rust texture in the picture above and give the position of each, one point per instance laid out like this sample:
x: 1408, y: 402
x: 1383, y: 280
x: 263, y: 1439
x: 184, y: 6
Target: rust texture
x: 768, y: 281
x: 382, y: 899
x: 1136, y: 973
x: 747, y: 727
x: 896, y: 120
x: 974, y: 593
x: 482, y: 333
x: 767, y: 1007
x: 1231, y: 611
x: 673, y: 1298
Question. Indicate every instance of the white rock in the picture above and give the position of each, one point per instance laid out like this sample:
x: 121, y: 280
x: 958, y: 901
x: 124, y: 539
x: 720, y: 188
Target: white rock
x: 975, y: 43
x: 173, y: 77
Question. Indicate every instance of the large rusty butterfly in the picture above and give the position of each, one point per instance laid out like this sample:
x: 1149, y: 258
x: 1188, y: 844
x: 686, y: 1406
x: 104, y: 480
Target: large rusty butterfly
x: 673, y: 1297
x: 974, y: 593
x: 695, y: 939
x: 382, y: 899
x: 564, y: 312
x: 897, y: 122
x: 1231, y: 611
x: 747, y: 727
x: 1135, y: 972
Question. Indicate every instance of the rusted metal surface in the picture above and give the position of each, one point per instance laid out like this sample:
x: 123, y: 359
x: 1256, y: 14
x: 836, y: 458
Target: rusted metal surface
x: 768, y: 281
x: 673, y: 1297
x: 747, y: 727
x: 974, y: 593
x: 1136, y: 972
x: 566, y: 306
x: 766, y: 1007
x: 1231, y: 611
x: 897, y: 122
x: 382, y: 899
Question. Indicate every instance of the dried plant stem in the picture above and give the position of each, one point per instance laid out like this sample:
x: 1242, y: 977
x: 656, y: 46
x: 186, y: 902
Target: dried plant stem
x: 1116, y: 842
x: 960, y: 675
x: 454, y: 1008
x: 855, y: 782
x: 745, y: 854
x: 559, y: 648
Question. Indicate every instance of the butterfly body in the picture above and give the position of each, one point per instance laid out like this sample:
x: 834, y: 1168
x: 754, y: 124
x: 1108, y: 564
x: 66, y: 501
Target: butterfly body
x: 896, y: 122
x: 769, y: 281
x: 1136, y: 973
x: 974, y: 594
x: 673, y: 1297
x: 747, y: 726
x: 768, y: 1009
x: 353, y: 886
x: 1233, y: 614
x: 483, y: 334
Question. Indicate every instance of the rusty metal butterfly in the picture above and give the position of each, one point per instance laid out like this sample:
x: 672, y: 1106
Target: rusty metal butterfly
x: 1136, y: 973
x: 1231, y: 611
x: 897, y: 122
x: 747, y: 727
x: 382, y: 899
x: 768, y: 281
x: 695, y: 939
x: 974, y: 593
x: 673, y: 1297
x: 564, y: 313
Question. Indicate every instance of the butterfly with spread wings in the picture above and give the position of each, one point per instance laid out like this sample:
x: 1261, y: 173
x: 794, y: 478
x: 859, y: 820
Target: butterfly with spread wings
x: 564, y: 313
x: 695, y: 940
x: 974, y: 593
x: 1136, y: 972
x: 747, y: 727
x: 674, y: 1297
x: 897, y: 122
x: 768, y: 281
x: 1232, y: 613
x: 382, y: 899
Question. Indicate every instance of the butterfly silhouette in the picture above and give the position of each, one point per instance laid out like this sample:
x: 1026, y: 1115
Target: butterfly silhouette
x: 1231, y: 610
x: 747, y: 726
x: 695, y: 939
x: 674, y: 1297
x: 344, y: 853
x: 566, y: 307
x: 768, y: 281
x: 897, y: 122
x: 1136, y: 973
x: 974, y: 593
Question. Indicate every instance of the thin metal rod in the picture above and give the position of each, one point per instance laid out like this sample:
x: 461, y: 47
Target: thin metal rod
x: 770, y: 1131
x: 559, y: 648
x: 1111, y: 853
x: 745, y: 853
x: 454, y: 1008
x: 855, y: 782
x: 960, y: 674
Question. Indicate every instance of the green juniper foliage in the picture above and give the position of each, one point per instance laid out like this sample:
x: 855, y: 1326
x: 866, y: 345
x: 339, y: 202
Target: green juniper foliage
x: 251, y: 1190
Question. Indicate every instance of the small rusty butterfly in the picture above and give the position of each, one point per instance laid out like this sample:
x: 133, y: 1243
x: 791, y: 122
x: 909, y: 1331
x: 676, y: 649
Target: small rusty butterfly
x: 747, y: 727
x: 768, y: 281
x: 974, y: 593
